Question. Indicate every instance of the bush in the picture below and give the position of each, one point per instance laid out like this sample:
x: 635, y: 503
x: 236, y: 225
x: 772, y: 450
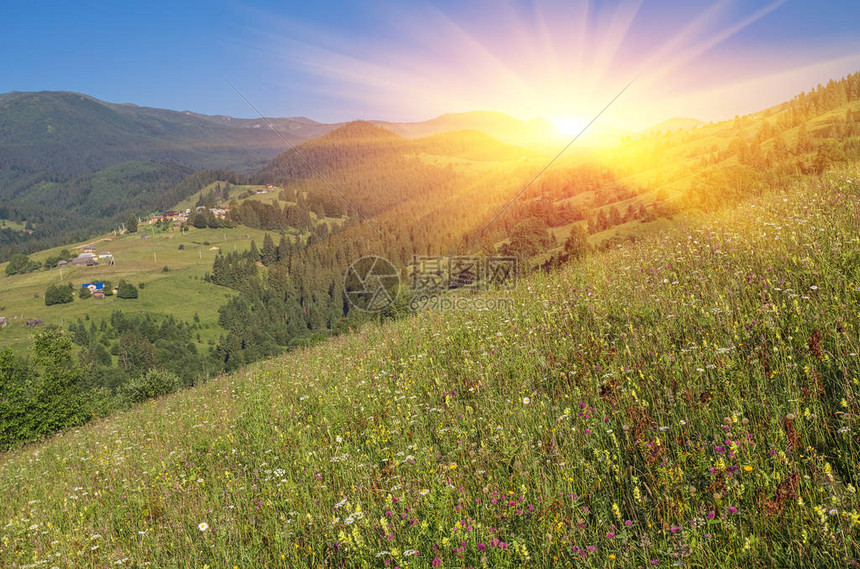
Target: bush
x: 61, y: 294
x: 576, y: 246
x: 154, y: 383
x: 21, y: 264
x: 84, y: 292
x: 126, y: 290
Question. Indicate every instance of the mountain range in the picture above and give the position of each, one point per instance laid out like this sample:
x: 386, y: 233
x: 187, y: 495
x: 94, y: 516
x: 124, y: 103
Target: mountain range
x: 84, y: 164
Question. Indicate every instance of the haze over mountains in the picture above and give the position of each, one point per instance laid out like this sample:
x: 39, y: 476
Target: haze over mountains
x: 505, y: 128
x: 73, y: 133
x: 84, y: 164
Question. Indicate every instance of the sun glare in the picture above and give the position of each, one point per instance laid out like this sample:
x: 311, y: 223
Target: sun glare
x: 569, y: 126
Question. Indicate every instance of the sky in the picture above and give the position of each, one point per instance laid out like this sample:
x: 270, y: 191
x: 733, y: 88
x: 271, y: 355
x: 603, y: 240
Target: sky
x: 412, y: 60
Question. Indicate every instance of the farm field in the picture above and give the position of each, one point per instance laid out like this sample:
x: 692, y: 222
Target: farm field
x: 690, y: 399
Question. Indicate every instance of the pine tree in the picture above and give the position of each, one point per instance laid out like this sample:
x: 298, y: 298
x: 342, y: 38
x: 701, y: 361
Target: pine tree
x: 576, y: 246
x: 284, y: 248
x: 804, y: 143
x: 829, y: 153
x: 269, y: 253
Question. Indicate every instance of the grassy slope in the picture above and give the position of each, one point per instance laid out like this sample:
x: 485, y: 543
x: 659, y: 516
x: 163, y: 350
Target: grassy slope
x: 9, y: 224
x: 179, y: 292
x: 238, y: 193
x: 691, y: 397
x: 235, y: 191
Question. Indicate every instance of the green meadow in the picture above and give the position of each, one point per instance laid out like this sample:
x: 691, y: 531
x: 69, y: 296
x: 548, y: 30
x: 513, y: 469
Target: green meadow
x: 180, y: 291
x: 9, y: 224
x: 690, y: 399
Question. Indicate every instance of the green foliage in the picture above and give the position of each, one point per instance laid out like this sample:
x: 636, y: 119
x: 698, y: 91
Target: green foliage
x: 154, y: 383
x: 17, y: 422
x: 54, y: 260
x: 131, y: 223
x: 269, y: 253
x: 199, y: 221
x: 688, y: 398
x: 59, y: 294
x: 126, y: 290
x: 154, y: 356
x: 41, y: 398
x: 84, y: 293
x: 74, y: 164
x: 20, y: 264
x: 576, y: 246
x: 528, y: 238
x: 829, y: 154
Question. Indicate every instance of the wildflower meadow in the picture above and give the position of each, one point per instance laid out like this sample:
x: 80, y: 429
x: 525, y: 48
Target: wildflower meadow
x: 690, y: 399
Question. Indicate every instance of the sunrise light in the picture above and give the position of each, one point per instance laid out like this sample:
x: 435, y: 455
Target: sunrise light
x: 570, y: 125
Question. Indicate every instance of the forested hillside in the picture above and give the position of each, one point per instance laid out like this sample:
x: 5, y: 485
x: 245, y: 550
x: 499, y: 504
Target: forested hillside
x: 72, y: 166
x: 71, y: 134
x: 588, y: 201
x: 688, y: 399
x: 457, y: 193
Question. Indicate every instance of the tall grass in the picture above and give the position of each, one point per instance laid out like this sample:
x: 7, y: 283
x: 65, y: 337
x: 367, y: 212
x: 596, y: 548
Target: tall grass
x: 688, y: 400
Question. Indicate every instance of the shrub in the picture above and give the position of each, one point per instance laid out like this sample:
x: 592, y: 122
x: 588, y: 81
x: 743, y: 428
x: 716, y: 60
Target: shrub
x: 154, y: 383
x: 58, y: 294
x: 20, y: 264
x: 126, y: 290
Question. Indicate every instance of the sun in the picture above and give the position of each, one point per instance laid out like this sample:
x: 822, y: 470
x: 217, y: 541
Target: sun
x: 569, y: 126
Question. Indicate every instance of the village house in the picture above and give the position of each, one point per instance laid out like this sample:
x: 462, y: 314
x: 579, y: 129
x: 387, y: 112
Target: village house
x: 218, y: 212
x: 3, y: 321
x: 88, y: 259
x: 93, y: 287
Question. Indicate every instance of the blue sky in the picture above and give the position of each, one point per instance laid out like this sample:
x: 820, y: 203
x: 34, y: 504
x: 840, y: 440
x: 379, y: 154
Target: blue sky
x: 335, y: 61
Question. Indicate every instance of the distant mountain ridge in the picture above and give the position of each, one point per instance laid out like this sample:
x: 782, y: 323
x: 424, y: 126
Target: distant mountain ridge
x: 73, y: 134
x: 536, y: 132
x: 72, y: 163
